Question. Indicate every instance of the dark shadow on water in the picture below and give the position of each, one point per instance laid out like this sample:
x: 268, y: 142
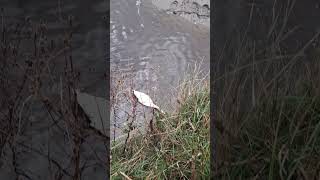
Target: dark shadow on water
x: 48, y: 50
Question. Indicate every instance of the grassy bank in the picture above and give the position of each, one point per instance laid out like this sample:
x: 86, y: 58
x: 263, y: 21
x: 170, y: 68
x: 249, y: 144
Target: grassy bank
x: 176, y: 147
x: 268, y: 115
x: 277, y: 139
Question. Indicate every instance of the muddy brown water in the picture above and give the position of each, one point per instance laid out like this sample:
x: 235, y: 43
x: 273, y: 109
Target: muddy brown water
x: 154, y: 51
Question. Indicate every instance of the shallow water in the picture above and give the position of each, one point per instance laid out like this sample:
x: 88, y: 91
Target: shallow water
x: 151, y: 51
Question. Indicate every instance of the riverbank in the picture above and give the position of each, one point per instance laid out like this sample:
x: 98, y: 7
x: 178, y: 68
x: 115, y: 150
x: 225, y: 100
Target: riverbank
x: 151, y: 52
x: 266, y: 123
x: 270, y: 128
x: 176, y: 145
x: 196, y: 11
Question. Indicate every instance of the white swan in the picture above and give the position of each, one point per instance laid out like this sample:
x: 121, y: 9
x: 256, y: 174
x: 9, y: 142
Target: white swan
x: 145, y: 100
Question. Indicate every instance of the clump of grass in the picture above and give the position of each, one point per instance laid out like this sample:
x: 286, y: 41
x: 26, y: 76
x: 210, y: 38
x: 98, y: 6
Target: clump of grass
x: 278, y: 140
x: 175, y: 147
x: 268, y: 115
x: 272, y: 131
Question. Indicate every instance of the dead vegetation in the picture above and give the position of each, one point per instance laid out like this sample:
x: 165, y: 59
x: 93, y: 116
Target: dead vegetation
x: 39, y: 113
x: 266, y: 123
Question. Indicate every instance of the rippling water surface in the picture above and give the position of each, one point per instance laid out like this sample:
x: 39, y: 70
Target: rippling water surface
x: 150, y: 51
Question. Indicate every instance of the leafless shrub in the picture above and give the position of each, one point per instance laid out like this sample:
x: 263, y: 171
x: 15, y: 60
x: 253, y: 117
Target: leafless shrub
x: 38, y: 70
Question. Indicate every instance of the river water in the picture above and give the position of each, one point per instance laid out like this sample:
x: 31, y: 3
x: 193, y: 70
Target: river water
x: 151, y: 51
x: 43, y: 150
